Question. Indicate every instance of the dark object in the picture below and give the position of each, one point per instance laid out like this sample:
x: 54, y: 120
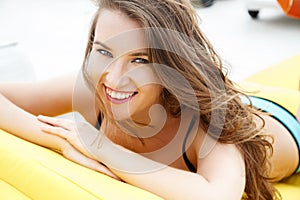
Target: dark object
x: 206, y: 3
x: 253, y: 13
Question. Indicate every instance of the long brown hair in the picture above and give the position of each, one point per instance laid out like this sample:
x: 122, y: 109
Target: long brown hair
x: 190, y: 53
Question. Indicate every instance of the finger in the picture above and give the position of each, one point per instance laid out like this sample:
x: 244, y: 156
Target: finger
x: 58, y: 131
x: 75, y: 156
x: 64, y: 123
x: 70, y: 136
x: 102, y: 169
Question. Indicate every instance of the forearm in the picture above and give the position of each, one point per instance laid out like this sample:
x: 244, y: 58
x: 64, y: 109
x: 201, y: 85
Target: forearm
x: 220, y: 182
x: 25, y: 125
x: 49, y: 97
x: 171, y: 183
x: 162, y: 180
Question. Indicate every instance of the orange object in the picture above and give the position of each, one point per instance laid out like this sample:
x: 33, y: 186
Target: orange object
x: 290, y: 7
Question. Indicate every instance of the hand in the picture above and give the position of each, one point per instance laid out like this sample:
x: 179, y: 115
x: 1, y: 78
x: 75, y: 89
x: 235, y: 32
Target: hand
x: 73, y: 149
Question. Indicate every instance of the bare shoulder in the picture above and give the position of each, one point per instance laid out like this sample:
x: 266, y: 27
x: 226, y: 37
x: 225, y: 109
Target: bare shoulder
x: 220, y: 163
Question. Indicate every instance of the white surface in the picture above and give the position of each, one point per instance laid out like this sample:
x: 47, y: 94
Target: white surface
x: 261, y: 4
x: 250, y: 45
x: 52, y: 35
x: 14, y: 65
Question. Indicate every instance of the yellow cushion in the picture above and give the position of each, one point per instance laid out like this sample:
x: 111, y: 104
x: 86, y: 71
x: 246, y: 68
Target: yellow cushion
x: 288, y: 98
x: 30, y: 171
x: 289, y: 191
x: 279, y: 83
x: 285, y: 74
x: 9, y: 192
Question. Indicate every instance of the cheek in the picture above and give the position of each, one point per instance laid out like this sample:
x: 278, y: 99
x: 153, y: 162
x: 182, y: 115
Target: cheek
x: 96, y: 67
x: 152, y: 93
x: 143, y: 76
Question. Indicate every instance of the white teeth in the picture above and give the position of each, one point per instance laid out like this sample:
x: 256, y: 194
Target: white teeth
x: 114, y: 94
x: 118, y: 95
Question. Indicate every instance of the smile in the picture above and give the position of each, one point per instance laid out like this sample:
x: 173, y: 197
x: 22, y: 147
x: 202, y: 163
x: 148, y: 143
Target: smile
x: 118, y: 96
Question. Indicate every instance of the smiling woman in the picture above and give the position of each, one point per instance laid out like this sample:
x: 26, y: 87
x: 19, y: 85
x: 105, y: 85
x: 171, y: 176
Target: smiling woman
x: 167, y: 112
x: 120, y: 46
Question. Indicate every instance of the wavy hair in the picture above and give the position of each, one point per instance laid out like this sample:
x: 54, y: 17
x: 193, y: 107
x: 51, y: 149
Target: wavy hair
x: 190, y: 53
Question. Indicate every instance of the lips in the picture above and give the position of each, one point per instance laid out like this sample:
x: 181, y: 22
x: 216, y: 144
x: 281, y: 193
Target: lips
x: 118, y: 97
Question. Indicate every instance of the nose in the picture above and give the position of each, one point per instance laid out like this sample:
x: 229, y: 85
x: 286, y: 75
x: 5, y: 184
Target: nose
x: 115, y: 73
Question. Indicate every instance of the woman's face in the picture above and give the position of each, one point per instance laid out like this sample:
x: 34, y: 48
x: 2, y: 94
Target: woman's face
x: 125, y: 82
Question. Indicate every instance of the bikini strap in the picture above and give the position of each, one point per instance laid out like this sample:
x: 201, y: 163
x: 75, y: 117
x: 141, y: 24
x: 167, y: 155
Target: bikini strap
x: 188, y: 163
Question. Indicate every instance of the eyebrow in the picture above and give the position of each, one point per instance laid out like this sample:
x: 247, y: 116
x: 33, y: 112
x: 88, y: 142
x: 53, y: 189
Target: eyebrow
x: 133, y: 54
x: 103, y: 45
x: 139, y: 54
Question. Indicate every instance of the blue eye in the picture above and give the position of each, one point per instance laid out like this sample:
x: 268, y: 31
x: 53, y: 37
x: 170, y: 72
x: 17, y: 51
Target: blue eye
x: 105, y: 53
x: 140, y: 61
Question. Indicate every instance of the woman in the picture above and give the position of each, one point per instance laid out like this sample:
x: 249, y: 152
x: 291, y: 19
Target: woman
x: 167, y: 113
